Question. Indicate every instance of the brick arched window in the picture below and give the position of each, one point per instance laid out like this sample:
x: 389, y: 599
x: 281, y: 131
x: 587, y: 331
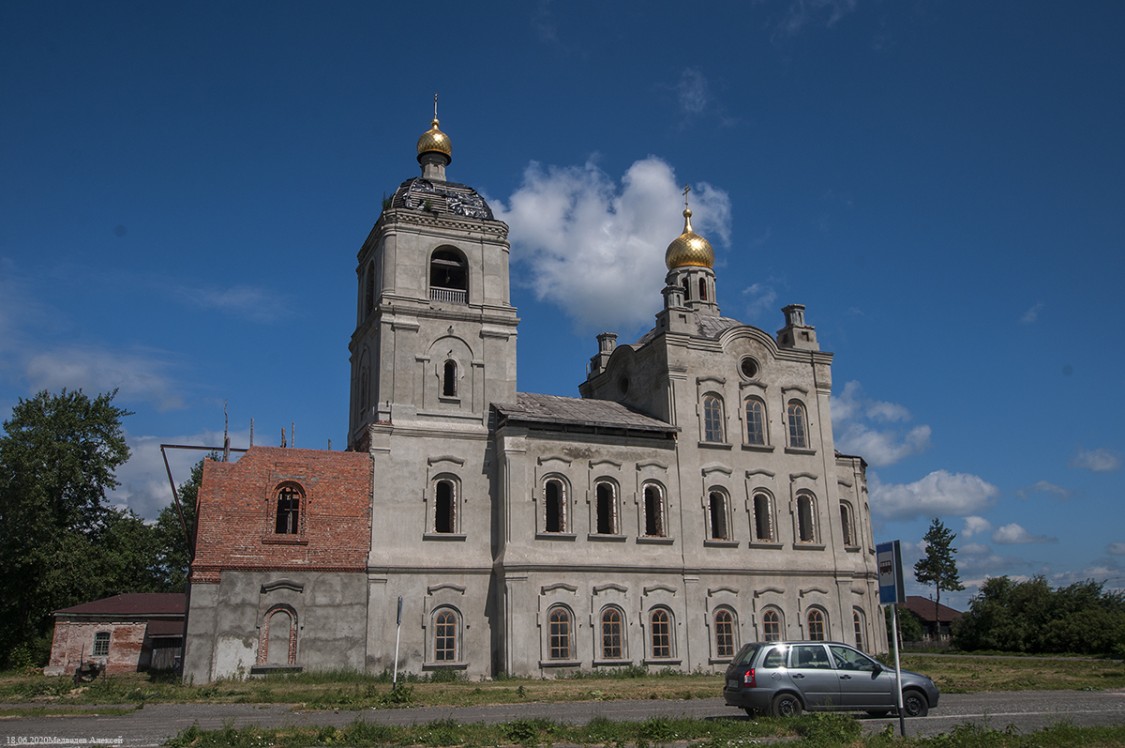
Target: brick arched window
x: 289, y: 503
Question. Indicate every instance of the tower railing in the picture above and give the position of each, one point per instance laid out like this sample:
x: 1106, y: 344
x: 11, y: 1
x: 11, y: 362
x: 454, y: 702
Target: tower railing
x: 448, y: 295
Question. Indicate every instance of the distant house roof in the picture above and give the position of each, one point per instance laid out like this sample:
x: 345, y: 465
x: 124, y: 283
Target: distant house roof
x: 923, y: 607
x: 138, y: 604
x: 575, y: 412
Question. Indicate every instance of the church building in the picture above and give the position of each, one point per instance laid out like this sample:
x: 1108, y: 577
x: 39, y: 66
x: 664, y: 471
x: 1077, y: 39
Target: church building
x: 690, y: 500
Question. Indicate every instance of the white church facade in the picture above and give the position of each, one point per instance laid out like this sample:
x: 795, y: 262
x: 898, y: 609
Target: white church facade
x: 690, y: 500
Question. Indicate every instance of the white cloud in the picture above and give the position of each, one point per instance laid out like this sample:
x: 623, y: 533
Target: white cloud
x: 692, y: 91
x: 1097, y: 460
x: 1015, y: 534
x: 1032, y: 314
x: 854, y: 416
x: 801, y: 13
x: 975, y: 525
x: 250, y: 302
x: 974, y: 549
x: 761, y: 300
x: 596, y: 248
x: 939, y: 493
x: 1044, y: 487
x: 140, y: 374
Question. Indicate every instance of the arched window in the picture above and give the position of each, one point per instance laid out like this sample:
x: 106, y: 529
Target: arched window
x: 445, y: 506
x: 660, y: 635
x: 717, y: 513
x: 703, y: 289
x: 771, y: 625
x: 847, y: 524
x: 606, y: 509
x: 557, y: 518
x: 857, y: 623
x: 449, y: 379
x: 449, y: 276
x: 806, y: 518
x: 817, y: 625
x: 755, y: 421
x: 613, y: 630
x: 725, y: 643
x: 763, y: 518
x: 287, y: 516
x: 687, y: 289
x: 713, y: 419
x: 447, y: 635
x: 369, y: 291
x: 560, y: 634
x: 798, y: 426
x: 654, y: 511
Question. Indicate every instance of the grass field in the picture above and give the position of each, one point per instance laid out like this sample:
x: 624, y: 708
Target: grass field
x: 953, y: 674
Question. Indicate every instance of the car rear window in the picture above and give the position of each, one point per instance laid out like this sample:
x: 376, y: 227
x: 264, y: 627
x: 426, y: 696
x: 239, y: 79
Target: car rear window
x: 746, y: 654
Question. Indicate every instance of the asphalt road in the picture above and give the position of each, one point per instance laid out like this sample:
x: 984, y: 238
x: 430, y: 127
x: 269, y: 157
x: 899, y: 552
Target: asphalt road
x: 155, y: 723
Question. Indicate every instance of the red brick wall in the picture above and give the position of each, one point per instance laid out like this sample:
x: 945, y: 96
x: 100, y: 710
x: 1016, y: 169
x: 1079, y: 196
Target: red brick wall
x: 74, y: 641
x: 238, y: 501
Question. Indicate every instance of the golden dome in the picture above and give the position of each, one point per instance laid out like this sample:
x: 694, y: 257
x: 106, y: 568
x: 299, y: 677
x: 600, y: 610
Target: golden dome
x: 435, y: 141
x: 689, y: 249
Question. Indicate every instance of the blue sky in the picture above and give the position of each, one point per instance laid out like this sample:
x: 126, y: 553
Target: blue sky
x: 184, y: 188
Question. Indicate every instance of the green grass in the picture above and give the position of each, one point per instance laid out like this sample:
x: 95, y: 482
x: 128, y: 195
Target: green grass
x: 808, y: 730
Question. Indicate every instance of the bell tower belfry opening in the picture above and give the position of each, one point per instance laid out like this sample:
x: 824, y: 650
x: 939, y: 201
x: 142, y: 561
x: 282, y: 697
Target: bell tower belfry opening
x: 435, y: 336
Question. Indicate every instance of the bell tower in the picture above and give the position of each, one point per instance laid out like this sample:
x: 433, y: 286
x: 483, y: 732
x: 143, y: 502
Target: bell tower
x: 435, y: 337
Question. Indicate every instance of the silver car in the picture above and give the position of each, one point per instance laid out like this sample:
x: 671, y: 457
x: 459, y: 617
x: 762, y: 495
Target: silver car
x: 784, y: 678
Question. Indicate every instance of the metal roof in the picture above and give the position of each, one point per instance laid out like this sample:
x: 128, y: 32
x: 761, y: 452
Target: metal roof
x: 567, y: 412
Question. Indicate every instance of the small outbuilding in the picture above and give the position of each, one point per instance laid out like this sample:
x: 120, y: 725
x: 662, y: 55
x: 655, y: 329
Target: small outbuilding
x: 120, y: 634
x: 937, y: 621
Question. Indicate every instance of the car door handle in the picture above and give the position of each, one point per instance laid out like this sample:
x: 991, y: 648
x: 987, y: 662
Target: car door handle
x: 845, y: 677
x: 798, y: 675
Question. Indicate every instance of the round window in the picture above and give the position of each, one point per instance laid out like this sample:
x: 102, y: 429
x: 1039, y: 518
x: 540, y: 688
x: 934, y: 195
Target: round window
x: 749, y: 367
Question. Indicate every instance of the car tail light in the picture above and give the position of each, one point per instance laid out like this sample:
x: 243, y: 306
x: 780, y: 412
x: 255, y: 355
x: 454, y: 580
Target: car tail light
x: 748, y: 679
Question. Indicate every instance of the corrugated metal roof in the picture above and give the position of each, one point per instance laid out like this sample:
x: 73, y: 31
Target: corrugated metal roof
x: 131, y: 604
x: 574, y: 411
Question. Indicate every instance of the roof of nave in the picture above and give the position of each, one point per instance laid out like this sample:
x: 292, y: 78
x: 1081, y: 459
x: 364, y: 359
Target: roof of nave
x: 441, y: 198
x: 574, y: 411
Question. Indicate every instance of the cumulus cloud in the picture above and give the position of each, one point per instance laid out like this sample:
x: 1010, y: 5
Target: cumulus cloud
x: 1044, y: 487
x: 140, y: 374
x: 939, y: 493
x: 1015, y: 534
x: 975, y: 525
x: 595, y: 248
x: 1097, y: 460
x: 875, y: 429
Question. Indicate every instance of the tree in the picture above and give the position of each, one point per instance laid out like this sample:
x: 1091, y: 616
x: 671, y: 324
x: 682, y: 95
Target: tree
x: 176, y: 539
x: 938, y: 567
x: 58, y: 457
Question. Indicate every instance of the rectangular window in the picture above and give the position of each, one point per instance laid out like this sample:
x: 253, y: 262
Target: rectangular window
x: 101, y: 644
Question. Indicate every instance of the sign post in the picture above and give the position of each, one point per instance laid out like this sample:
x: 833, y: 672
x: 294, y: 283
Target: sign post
x: 892, y: 592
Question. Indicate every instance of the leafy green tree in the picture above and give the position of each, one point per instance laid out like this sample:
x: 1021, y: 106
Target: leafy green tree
x: 58, y: 457
x: 937, y: 566
x: 176, y: 538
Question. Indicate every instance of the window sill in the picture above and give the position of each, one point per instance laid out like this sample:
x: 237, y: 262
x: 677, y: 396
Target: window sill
x: 770, y: 546
x: 808, y: 546
x: 717, y: 543
x: 445, y: 665
x: 606, y: 538
x: 555, y: 536
x: 284, y: 540
x: 662, y: 661
x: 720, y: 660
x: 450, y: 400
x: 613, y: 663
x: 560, y: 663
x: 852, y: 548
x: 444, y: 536
x: 715, y: 445
x: 799, y: 451
x: 758, y: 447
x: 656, y: 540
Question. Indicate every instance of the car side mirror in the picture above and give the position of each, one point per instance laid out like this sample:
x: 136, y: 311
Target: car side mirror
x: 877, y: 669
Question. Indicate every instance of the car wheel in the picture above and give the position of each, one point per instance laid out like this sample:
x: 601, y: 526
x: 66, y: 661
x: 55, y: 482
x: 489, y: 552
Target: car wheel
x: 878, y: 712
x: 914, y: 704
x: 785, y: 705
